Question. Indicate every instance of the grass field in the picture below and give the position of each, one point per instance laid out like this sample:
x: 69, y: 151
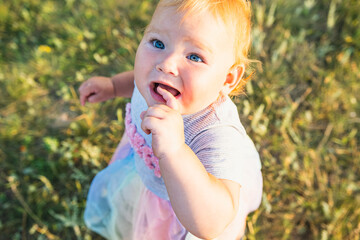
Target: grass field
x: 302, y: 109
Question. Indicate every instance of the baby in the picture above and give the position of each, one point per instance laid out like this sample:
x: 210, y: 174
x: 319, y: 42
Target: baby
x: 186, y: 168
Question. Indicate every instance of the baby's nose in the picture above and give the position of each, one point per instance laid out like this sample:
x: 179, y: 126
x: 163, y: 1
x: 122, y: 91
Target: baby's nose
x: 168, y: 65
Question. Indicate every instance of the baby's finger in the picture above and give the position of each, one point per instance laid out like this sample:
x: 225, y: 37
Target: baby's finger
x: 82, y: 100
x: 142, y: 115
x: 84, y: 91
x: 94, y: 98
x: 83, y: 96
x: 147, y: 124
x: 158, y: 111
x: 171, y: 101
x: 144, y: 122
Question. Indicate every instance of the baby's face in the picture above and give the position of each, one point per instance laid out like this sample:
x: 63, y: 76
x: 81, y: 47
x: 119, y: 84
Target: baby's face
x: 189, y: 57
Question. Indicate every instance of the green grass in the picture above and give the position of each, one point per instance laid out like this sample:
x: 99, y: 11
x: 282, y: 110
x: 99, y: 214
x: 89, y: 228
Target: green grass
x: 302, y: 111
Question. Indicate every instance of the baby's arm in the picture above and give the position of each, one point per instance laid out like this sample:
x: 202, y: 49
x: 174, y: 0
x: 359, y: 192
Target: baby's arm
x: 99, y: 89
x: 204, y: 204
x: 123, y: 84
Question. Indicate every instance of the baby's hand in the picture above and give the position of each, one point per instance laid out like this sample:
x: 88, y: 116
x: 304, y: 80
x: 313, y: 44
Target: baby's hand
x: 96, y: 89
x: 166, y: 125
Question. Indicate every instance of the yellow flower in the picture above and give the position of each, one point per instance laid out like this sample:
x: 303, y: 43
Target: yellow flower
x: 348, y: 39
x: 44, y: 48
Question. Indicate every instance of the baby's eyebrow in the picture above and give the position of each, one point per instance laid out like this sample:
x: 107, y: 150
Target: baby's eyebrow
x: 199, y: 44
x: 152, y: 29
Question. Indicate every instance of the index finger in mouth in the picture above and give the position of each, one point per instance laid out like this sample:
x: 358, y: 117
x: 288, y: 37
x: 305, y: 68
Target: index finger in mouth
x: 170, y: 100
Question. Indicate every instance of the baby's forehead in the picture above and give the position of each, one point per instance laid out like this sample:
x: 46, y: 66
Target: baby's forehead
x: 184, y: 18
x: 192, y: 15
x: 195, y: 13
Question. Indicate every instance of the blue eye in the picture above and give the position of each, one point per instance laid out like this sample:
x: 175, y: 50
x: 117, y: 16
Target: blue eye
x: 158, y: 44
x: 195, y: 58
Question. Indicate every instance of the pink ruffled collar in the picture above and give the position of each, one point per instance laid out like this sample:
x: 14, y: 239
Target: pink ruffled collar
x: 139, y: 144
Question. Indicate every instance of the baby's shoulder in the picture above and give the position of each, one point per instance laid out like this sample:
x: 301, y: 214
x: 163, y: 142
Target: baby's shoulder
x: 220, y: 127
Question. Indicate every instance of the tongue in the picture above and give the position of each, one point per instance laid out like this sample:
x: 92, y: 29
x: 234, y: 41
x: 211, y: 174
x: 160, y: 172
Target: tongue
x: 171, y: 90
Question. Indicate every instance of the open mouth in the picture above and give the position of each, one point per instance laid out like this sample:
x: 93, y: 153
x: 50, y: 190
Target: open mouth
x: 155, y: 86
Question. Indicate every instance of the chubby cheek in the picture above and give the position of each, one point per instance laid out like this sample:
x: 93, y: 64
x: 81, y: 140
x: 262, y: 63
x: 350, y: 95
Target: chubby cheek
x: 142, y: 66
x: 195, y: 98
x: 139, y: 61
x: 201, y: 93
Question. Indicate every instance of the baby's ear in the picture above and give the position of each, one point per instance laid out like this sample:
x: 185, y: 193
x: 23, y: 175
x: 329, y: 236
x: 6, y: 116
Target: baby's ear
x: 233, y: 78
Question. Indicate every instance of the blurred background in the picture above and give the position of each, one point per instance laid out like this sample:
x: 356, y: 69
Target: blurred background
x: 301, y: 109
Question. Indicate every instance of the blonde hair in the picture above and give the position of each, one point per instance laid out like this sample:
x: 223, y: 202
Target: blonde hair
x: 236, y: 15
